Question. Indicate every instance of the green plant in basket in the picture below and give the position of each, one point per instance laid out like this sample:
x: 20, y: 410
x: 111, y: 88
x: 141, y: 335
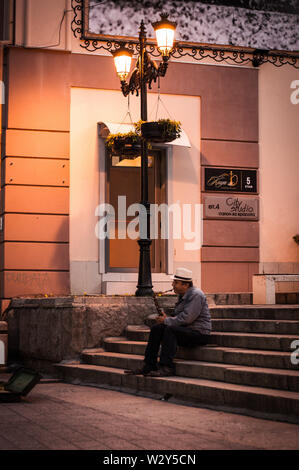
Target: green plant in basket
x: 163, y: 130
x: 119, y: 139
x: 127, y: 143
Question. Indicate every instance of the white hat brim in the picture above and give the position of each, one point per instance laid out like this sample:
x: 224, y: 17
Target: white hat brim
x: 179, y: 278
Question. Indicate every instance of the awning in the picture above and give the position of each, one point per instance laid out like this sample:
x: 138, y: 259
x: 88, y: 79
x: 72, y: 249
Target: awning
x: 106, y: 128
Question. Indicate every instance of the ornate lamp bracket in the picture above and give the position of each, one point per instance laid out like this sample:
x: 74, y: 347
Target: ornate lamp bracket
x: 151, y: 72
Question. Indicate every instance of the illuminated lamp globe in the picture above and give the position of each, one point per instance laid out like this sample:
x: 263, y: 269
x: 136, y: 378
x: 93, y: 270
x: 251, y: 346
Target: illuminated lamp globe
x: 164, y: 30
x: 122, y: 60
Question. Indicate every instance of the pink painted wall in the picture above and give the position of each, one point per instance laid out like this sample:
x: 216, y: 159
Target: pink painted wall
x: 35, y: 175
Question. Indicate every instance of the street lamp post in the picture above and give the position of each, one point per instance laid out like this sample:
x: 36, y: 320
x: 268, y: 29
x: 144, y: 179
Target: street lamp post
x: 145, y: 72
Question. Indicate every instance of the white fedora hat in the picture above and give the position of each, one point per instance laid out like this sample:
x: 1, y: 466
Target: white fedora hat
x: 182, y: 274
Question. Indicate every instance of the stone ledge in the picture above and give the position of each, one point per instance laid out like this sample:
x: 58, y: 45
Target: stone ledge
x: 55, y: 329
x: 75, y: 301
x: 165, y: 301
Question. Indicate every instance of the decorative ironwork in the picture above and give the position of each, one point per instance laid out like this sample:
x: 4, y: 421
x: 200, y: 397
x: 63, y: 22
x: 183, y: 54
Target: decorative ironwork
x: 230, y: 55
x: 77, y: 20
x: 278, y: 59
x: 151, y: 72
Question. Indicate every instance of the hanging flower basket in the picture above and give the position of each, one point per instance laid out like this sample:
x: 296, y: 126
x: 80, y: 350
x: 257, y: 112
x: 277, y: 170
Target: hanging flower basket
x: 124, y: 144
x: 161, y: 131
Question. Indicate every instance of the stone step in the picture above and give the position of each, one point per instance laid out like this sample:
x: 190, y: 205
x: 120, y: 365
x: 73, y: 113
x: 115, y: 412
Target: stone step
x: 246, y: 325
x: 256, y: 401
x: 273, y: 312
x: 254, y: 341
x: 290, y: 299
x: 244, y: 375
x: 229, y: 339
x: 246, y: 357
x: 283, y: 327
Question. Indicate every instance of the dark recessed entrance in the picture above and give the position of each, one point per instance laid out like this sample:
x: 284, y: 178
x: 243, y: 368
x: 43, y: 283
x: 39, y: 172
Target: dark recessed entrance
x: 123, y: 179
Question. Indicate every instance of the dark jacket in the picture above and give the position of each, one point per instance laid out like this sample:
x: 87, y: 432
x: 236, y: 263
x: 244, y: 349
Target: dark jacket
x: 192, y: 311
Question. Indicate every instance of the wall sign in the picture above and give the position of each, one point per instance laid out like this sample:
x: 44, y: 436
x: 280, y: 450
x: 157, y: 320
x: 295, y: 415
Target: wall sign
x: 230, y: 180
x: 231, y: 207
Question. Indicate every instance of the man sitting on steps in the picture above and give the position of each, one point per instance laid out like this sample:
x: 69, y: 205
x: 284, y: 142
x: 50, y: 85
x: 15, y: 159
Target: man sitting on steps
x: 190, y: 326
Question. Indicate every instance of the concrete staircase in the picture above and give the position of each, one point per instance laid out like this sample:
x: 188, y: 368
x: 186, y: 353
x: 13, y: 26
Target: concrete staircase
x: 247, y: 368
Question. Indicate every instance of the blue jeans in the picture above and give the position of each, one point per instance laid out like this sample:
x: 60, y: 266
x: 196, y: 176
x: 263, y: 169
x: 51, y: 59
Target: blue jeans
x: 169, y: 337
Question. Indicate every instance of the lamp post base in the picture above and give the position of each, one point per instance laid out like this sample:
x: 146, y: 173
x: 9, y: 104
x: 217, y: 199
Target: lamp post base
x: 144, y: 286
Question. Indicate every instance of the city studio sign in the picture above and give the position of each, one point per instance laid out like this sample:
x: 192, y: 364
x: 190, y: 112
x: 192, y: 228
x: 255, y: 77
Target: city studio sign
x: 231, y: 207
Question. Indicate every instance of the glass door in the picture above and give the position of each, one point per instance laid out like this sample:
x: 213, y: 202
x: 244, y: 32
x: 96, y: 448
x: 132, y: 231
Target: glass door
x: 123, y: 190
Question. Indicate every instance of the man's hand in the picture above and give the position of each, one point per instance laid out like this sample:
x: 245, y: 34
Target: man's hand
x: 160, y: 318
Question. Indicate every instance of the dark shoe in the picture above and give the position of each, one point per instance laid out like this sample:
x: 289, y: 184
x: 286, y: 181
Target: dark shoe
x: 145, y: 370
x: 163, y: 371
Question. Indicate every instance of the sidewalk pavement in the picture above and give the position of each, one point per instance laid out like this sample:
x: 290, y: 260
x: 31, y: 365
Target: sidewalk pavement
x: 59, y: 416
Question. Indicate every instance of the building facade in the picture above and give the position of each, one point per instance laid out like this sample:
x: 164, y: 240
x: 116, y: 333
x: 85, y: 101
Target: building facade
x: 238, y: 165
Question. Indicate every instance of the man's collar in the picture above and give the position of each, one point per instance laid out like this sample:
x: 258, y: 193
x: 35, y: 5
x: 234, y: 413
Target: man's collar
x: 188, y: 292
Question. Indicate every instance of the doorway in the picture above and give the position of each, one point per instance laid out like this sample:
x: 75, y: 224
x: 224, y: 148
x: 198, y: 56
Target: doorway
x: 123, y: 179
